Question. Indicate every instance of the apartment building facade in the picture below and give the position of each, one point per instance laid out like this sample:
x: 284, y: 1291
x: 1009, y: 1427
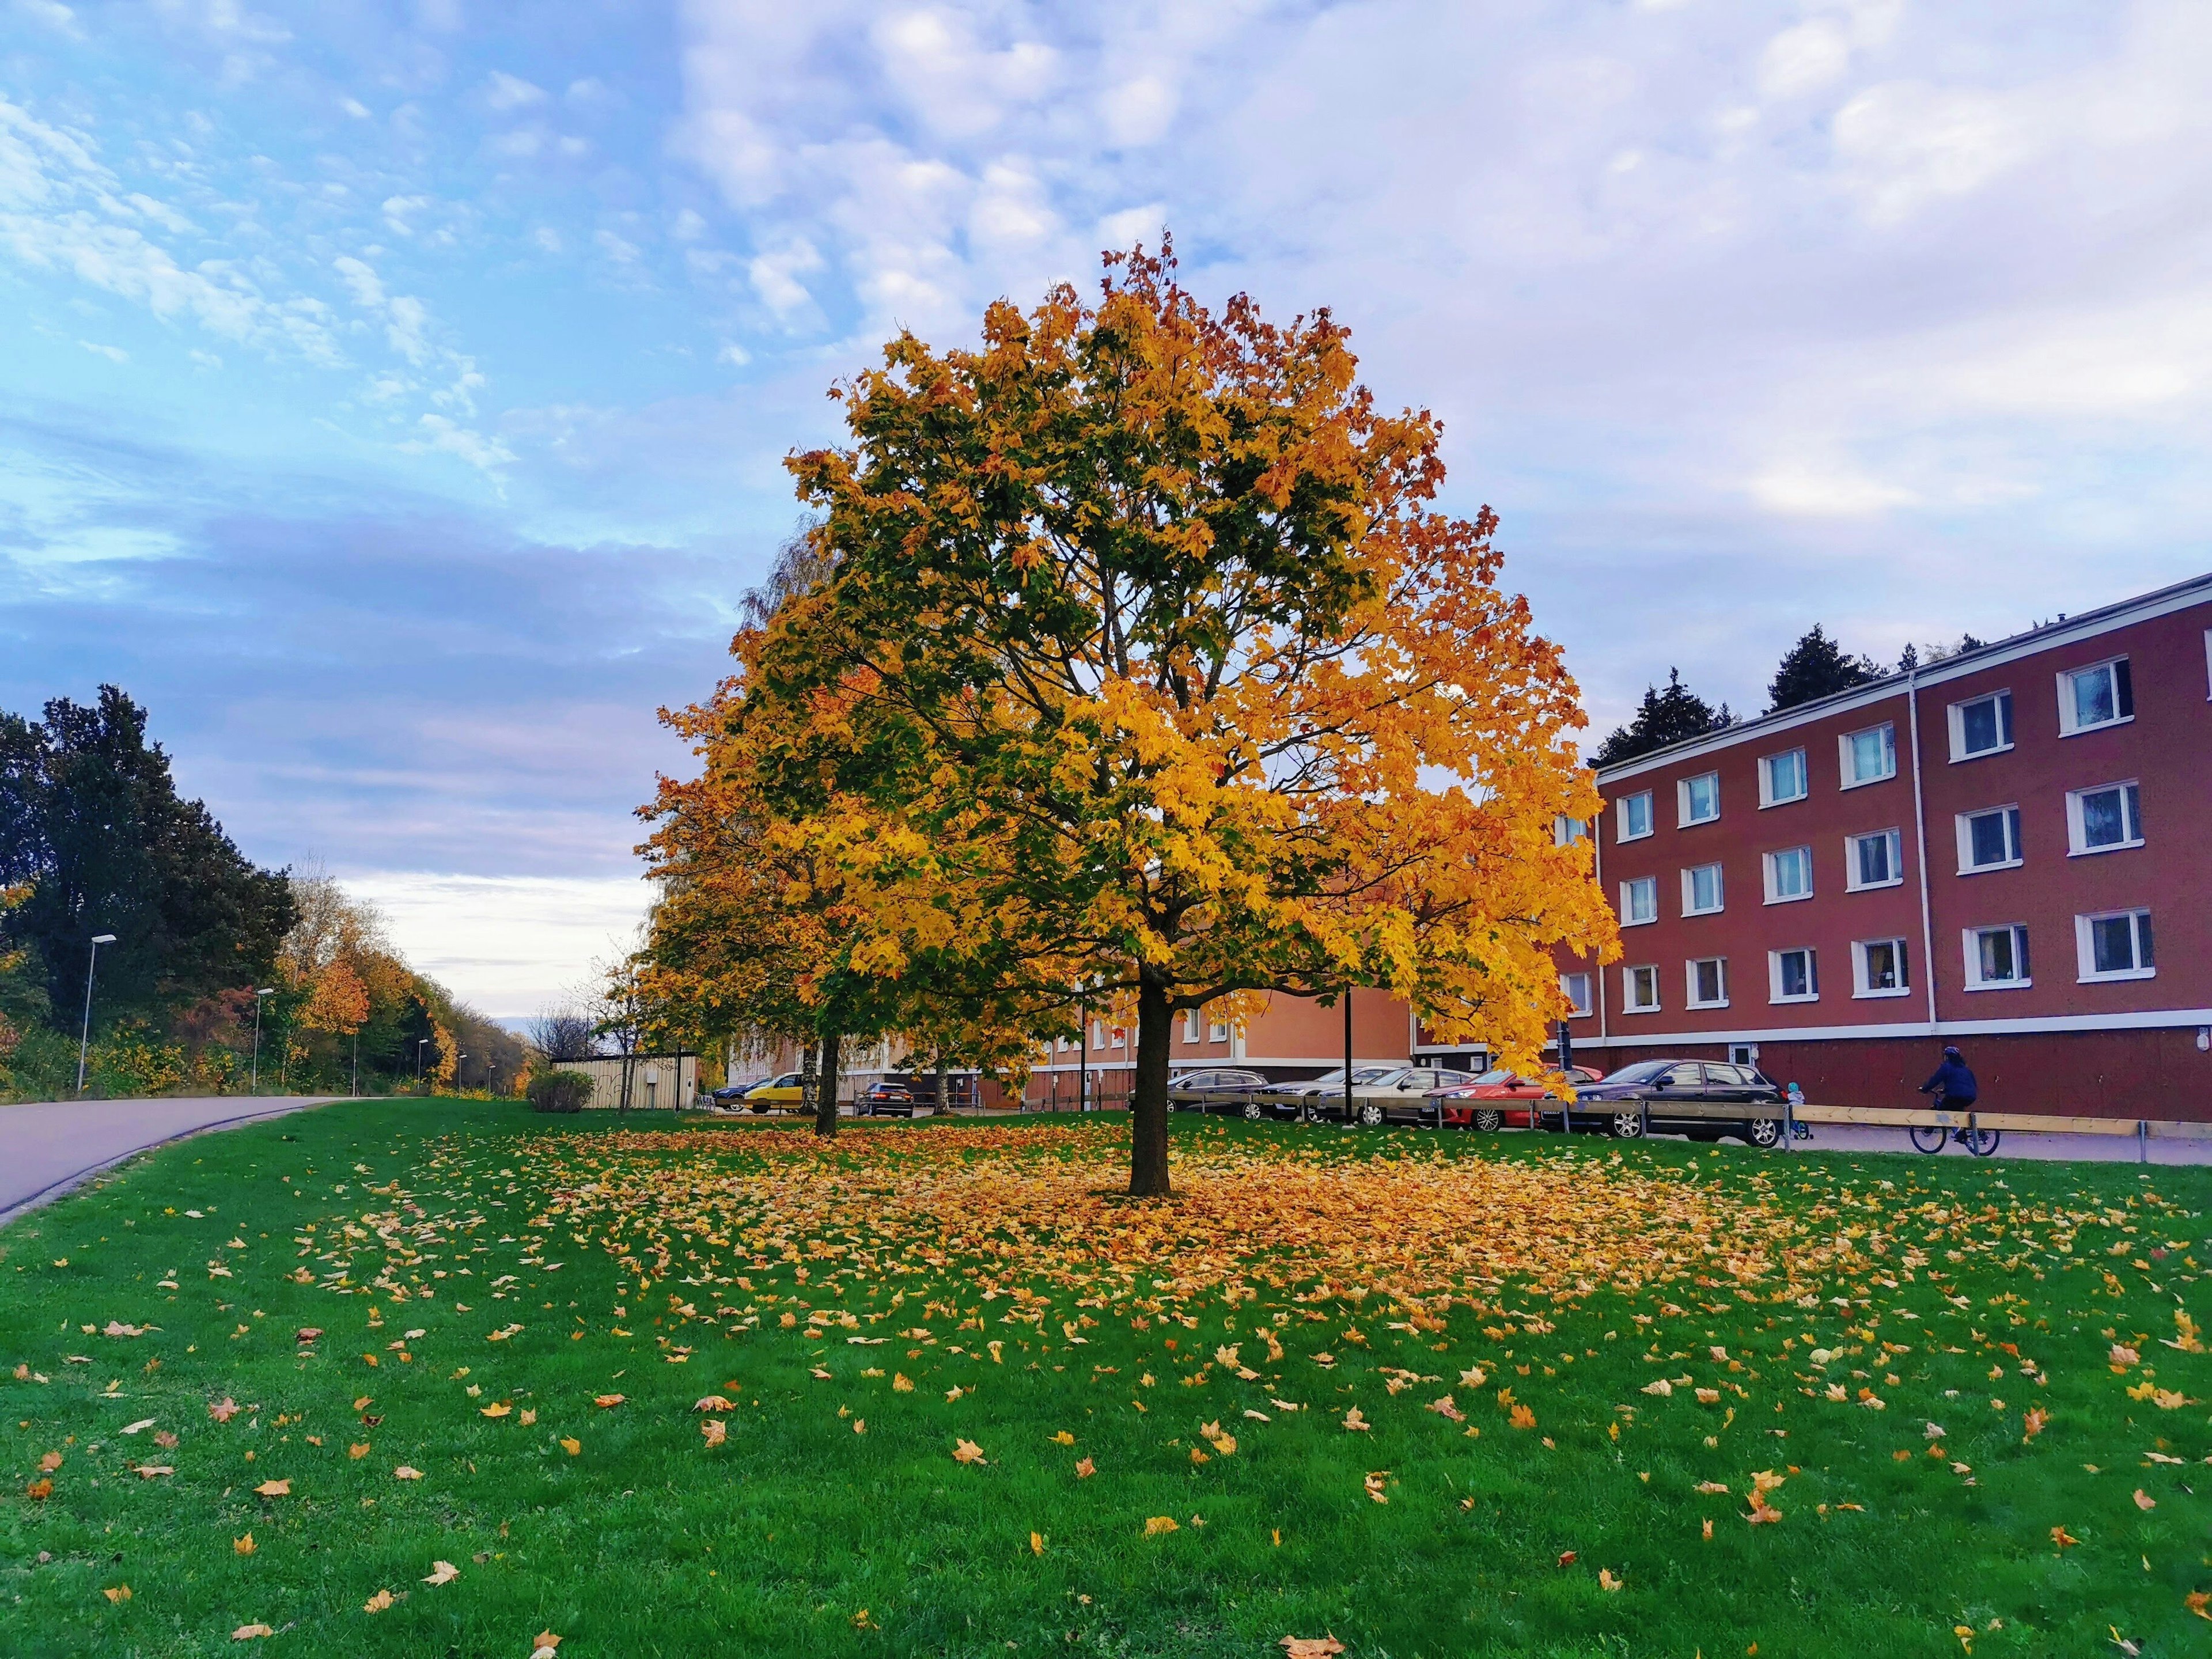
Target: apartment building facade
x: 2011, y: 849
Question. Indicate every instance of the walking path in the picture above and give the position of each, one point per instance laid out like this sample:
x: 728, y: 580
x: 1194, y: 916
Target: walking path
x: 46, y: 1149
x: 2016, y: 1144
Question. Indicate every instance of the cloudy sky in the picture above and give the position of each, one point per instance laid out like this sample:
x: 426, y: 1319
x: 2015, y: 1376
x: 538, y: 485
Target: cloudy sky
x: 393, y: 396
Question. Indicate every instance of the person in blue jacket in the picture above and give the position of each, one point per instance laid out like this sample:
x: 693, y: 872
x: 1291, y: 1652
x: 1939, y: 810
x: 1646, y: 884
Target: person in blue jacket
x: 1953, y: 1085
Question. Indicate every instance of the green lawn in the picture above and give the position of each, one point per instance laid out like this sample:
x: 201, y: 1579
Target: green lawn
x: 1563, y: 1353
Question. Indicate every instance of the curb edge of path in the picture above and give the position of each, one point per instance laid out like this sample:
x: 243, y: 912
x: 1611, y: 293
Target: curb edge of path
x: 69, y: 1183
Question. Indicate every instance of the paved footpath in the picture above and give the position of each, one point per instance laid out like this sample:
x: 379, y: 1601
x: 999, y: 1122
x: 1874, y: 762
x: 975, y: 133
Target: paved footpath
x: 2012, y: 1144
x: 46, y: 1149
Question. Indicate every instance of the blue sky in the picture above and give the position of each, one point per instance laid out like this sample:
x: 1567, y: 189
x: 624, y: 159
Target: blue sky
x: 392, y: 396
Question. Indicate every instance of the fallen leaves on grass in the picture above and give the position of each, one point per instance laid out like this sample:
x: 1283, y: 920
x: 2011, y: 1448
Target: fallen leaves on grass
x: 378, y: 1602
x: 223, y: 1409
x: 243, y: 1545
x: 274, y: 1488
x: 2064, y: 1539
x: 443, y: 1572
x: 403, y: 1472
x: 544, y: 1642
x: 967, y: 1451
x: 140, y: 1426
x: 1085, y: 1468
x: 2031, y: 1425
x: 571, y: 1447
x: 1037, y: 1543
x: 2144, y: 1500
x: 1311, y: 1647
x: 1352, y: 1419
x: 607, y: 1402
x: 248, y: 1632
x: 714, y: 1430
x: 498, y: 1408
x: 118, y: 1595
x: 1375, y: 1483
x: 714, y: 1402
x: 1606, y: 1581
x: 1159, y: 1524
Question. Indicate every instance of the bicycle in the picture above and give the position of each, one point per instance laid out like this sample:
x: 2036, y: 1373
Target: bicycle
x: 1932, y: 1138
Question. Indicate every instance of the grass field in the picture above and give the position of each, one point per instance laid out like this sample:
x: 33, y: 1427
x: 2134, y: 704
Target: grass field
x: 959, y: 1398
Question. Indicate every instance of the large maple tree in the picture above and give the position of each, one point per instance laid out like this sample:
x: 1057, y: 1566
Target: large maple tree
x: 1144, y: 672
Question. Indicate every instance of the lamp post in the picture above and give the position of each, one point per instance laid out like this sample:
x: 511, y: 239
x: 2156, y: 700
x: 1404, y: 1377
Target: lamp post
x: 84, y: 1039
x: 257, y: 997
x: 421, y: 1044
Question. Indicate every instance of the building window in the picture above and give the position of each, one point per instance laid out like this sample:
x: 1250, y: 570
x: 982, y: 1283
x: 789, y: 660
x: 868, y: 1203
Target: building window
x: 1981, y: 727
x: 1633, y: 813
x: 1789, y: 875
x: 1190, y: 1025
x: 1781, y: 778
x: 1997, y: 958
x: 1877, y: 969
x: 1701, y: 890
x: 1121, y: 1036
x: 2116, y: 946
x: 1639, y: 900
x: 1217, y: 1031
x: 1639, y: 990
x: 1576, y: 988
x: 1793, y: 975
x: 1708, y: 979
x: 2101, y: 695
x: 1871, y: 756
x: 1566, y: 831
x: 1099, y: 1034
x: 2106, y: 819
x: 1698, y: 800
x: 1989, y: 840
x: 1873, y: 861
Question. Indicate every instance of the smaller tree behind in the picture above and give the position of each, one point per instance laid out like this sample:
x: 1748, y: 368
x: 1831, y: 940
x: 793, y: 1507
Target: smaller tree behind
x: 1816, y: 667
x: 1662, y: 720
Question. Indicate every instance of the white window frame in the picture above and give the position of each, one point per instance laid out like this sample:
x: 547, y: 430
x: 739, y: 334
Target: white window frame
x: 1623, y: 831
x: 2077, y: 828
x: 1771, y: 865
x: 1628, y: 918
x: 1774, y: 991
x: 1720, y: 977
x: 1971, y: 941
x: 1576, y: 988
x: 2014, y: 831
x: 1682, y: 819
x: 1851, y: 881
x: 1120, y: 1035
x: 1960, y: 752
x: 1646, y: 973
x: 1862, y: 988
x: 2085, y: 950
x: 1567, y: 830
x: 1767, y: 796
x: 1217, y: 1031
x: 1690, y: 873
x: 1845, y: 752
x: 1190, y: 1025
x: 2069, y: 723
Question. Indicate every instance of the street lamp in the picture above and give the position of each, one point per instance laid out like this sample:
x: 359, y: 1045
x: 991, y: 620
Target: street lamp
x: 84, y: 1040
x: 258, y: 996
x: 421, y: 1044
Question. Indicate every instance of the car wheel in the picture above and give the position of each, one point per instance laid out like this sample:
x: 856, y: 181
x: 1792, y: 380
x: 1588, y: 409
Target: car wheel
x: 1626, y: 1126
x: 1371, y: 1114
x: 1764, y: 1132
x: 1490, y: 1120
x: 760, y: 1107
x: 1252, y: 1111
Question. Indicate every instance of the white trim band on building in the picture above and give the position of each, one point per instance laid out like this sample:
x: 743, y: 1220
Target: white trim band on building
x: 2151, y: 1020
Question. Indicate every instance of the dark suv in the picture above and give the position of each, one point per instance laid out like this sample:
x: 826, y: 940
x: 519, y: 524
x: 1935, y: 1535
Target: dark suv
x: 1703, y: 1099
x: 901, y: 1094
x: 1221, y: 1090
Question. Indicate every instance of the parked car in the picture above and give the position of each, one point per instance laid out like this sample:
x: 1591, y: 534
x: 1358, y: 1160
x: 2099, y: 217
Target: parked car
x: 1220, y: 1089
x: 733, y: 1094
x: 1703, y: 1099
x: 1380, y: 1094
x: 1292, y: 1099
x: 901, y: 1094
x: 783, y: 1092
x: 1500, y: 1099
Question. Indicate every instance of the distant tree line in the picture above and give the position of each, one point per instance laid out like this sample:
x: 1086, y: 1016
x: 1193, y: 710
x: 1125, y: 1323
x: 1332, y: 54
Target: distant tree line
x: 1817, y: 666
x: 94, y: 839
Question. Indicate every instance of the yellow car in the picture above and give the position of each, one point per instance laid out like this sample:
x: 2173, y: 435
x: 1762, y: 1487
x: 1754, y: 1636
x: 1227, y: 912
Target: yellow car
x: 783, y: 1091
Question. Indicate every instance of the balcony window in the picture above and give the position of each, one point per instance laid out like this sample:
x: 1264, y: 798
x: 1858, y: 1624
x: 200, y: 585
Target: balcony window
x: 1698, y: 800
x: 1708, y: 983
x: 2099, y: 695
x: 1576, y: 988
x: 1879, y: 968
x: 1781, y: 778
x: 1639, y: 990
x: 1997, y: 958
x: 2115, y: 946
x: 1871, y: 756
x: 1634, y: 814
x: 1874, y: 861
x: 1981, y: 727
x: 2103, y: 820
x: 1639, y: 900
x: 1701, y: 890
x: 1789, y: 875
x: 1989, y: 840
x: 1793, y: 975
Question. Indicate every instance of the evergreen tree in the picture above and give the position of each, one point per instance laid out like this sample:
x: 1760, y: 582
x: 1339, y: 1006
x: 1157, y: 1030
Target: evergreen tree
x: 1663, y: 719
x: 90, y: 820
x: 1816, y: 667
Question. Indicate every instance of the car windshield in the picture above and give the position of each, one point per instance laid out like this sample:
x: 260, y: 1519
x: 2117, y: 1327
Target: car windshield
x: 1498, y: 1076
x: 1643, y: 1071
x: 1364, y: 1075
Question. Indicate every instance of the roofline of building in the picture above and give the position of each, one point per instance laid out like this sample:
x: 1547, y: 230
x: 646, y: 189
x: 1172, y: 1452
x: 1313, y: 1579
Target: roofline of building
x: 2177, y: 597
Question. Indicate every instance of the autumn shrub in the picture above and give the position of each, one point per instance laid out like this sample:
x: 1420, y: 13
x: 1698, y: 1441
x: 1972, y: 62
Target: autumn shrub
x: 131, y: 1061
x: 559, y: 1092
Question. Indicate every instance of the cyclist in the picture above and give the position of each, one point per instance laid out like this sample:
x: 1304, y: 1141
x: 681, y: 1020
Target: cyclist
x: 1953, y: 1085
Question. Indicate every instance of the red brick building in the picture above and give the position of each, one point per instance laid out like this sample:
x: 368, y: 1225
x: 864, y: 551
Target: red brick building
x: 2011, y: 849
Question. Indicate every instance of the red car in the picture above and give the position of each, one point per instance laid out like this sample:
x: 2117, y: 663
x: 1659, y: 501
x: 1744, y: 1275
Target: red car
x: 1488, y: 1103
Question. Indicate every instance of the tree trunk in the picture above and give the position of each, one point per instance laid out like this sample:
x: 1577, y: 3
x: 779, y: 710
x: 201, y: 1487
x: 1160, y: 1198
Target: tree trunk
x: 944, y: 1089
x: 809, y: 1092
x: 826, y: 1104
x: 1148, y: 1101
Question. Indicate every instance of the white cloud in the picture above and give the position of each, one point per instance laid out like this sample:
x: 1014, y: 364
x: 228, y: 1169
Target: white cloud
x: 113, y: 354
x: 734, y: 354
x: 775, y: 277
x: 622, y: 252
x: 485, y: 454
x: 506, y: 946
x: 1804, y: 59
x: 361, y: 280
x: 503, y: 91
